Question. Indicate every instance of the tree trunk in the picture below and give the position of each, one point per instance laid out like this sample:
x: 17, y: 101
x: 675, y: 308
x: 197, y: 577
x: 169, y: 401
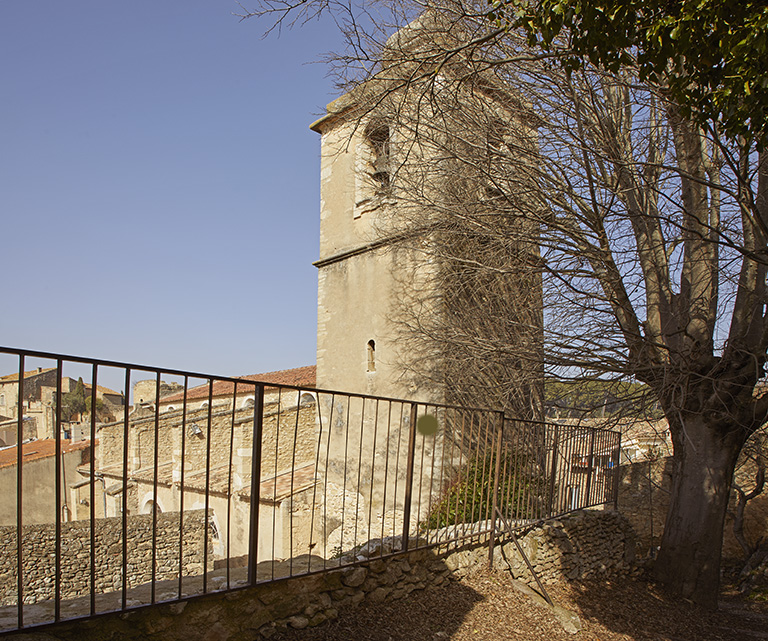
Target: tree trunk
x: 689, y: 557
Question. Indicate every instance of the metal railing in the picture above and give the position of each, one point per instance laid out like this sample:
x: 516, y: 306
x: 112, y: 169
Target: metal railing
x: 191, y: 483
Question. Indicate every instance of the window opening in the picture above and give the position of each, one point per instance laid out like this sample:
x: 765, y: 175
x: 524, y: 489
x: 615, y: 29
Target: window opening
x: 379, y: 139
x: 371, y: 356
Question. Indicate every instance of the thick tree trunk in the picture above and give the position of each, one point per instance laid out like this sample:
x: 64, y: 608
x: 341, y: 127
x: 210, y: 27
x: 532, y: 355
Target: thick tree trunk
x: 689, y: 557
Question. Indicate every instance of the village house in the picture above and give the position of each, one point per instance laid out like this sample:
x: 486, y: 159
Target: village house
x: 39, y: 480
x: 185, y: 477
x: 38, y: 405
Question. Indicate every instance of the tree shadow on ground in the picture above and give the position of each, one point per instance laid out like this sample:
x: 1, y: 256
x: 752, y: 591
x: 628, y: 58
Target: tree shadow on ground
x: 428, y: 614
x: 640, y: 610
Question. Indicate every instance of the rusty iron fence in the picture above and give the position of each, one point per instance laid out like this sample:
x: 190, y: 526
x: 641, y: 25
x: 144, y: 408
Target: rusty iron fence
x: 181, y: 483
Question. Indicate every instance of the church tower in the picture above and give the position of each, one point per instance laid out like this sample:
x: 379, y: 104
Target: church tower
x: 360, y: 262
x: 426, y: 284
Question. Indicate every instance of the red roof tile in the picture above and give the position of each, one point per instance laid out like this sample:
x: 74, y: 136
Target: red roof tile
x: 9, y: 378
x: 297, y: 377
x: 39, y: 449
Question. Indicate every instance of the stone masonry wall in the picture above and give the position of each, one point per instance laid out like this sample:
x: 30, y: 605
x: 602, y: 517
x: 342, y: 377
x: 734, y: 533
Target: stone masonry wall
x: 38, y: 553
x: 577, y: 545
x: 644, y: 502
x: 287, y: 436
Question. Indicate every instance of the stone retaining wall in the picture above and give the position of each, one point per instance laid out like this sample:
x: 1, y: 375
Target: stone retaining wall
x: 578, y: 545
x: 644, y: 500
x: 38, y: 555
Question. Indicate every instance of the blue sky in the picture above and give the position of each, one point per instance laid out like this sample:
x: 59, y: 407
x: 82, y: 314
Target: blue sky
x: 159, y: 184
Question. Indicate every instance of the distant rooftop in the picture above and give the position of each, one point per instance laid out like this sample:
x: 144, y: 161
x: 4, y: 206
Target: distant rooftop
x: 43, y: 448
x: 9, y: 378
x: 296, y: 377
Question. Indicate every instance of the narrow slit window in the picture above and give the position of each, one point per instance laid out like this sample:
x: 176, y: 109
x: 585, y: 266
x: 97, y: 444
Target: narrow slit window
x: 371, y: 355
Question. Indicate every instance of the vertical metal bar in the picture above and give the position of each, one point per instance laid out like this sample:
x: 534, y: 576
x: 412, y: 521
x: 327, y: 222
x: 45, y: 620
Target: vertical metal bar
x: 397, y: 465
x: 325, y: 479
x: 344, y: 480
x: 278, y: 416
x: 57, y: 435
x: 409, y: 477
x: 359, y: 471
x: 553, y: 470
x: 181, y: 483
x: 156, y: 459
x: 94, y: 382
x: 253, y: 534
x: 448, y: 433
x: 386, y: 474
x: 588, y: 500
x: 616, y: 472
x: 126, y: 425
x: 477, y: 465
x: 463, y: 476
x: 487, y: 485
x: 312, y: 543
x: 229, y: 477
x: 293, y: 478
x: 19, y: 495
x: 206, y: 533
x: 496, y: 479
x: 440, y: 484
x: 373, y: 468
x: 421, y: 472
x: 509, y: 482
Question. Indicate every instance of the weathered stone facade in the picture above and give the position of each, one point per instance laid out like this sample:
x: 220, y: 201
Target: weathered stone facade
x: 289, y: 440
x: 392, y: 192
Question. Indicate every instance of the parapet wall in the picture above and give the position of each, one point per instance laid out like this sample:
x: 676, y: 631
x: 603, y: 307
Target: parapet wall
x: 578, y: 545
x: 39, y: 545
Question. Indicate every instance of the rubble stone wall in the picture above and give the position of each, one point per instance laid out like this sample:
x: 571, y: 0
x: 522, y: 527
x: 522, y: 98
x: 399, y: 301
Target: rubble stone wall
x: 39, y: 545
x: 644, y: 500
x: 578, y: 545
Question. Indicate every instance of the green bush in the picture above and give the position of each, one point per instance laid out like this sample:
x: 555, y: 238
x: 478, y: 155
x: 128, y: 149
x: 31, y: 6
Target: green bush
x: 469, y: 497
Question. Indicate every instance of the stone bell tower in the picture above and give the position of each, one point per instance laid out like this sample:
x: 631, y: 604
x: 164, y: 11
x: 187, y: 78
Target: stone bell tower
x: 400, y: 267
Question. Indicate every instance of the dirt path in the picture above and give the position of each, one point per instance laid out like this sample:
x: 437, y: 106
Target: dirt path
x: 486, y: 607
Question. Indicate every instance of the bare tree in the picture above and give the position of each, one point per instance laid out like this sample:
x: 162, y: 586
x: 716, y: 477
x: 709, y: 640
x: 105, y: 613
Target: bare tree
x: 645, y: 230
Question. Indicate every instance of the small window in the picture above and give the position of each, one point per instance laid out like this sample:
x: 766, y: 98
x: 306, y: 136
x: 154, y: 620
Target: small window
x: 371, y: 355
x: 2, y: 399
x: 379, y: 139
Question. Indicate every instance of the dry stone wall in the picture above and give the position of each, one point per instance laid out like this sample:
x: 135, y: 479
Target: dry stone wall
x: 578, y: 545
x: 644, y: 500
x: 38, y: 554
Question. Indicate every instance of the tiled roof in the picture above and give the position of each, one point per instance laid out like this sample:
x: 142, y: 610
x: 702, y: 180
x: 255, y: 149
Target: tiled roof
x: 102, y: 389
x: 9, y: 378
x: 297, y: 377
x: 272, y: 489
x: 39, y: 449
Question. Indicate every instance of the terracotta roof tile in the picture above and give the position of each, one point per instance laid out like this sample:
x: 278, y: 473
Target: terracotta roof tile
x: 9, y: 378
x: 39, y: 449
x: 102, y: 389
x: 298, y: 377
